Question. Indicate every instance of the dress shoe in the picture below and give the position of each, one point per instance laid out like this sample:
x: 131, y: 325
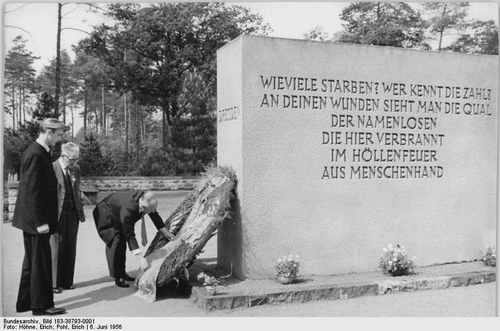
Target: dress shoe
x: 49, y: 311
x: 72, y: 287
x: 121, y: 283
x: 57, y: 290
x: 128, y: 278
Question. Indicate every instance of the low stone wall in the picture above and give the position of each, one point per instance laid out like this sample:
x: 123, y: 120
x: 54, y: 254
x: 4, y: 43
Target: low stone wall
x: 10, y: 196
x: 91, y: 186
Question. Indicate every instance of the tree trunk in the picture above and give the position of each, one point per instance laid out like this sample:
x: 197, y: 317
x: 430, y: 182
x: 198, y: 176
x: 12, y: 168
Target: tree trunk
x: 137, y: 131
x: 20, y: 117
x: 143, y: 128
x: 13, y: 99
x: 85, y: 107
x: 163, y: 129
x: 441, y: 31
x: 23, y: 105
x: 72, y: 122
x: 377, y: 41
x: 126, y: 116
x: 440, y: 39
x: 64, y: 108
x: 103, y: 112
x: 96, y: 120
x: 58, y: 60
x: 167, y: 127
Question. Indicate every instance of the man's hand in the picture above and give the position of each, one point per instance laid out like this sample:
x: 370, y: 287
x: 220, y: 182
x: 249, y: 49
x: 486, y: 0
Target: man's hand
x: 144, y: 263
x: 137, y: 251
x: 167, y: 234
x: 42, y: 229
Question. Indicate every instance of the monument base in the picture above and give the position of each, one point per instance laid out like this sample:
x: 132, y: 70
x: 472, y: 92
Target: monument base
x: 250, y: 293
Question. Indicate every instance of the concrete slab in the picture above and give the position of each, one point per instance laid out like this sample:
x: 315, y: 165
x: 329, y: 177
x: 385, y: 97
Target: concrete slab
x: 250, y: 293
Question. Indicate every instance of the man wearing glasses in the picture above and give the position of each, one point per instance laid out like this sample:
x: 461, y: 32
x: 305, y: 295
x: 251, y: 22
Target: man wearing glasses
x: 69, y: 214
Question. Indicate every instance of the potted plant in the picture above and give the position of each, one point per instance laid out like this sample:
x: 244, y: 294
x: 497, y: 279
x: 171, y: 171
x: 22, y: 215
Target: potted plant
x: 287, y: 269
x: 490, y: 257
x: 395, y: 261
x: 210, y: 283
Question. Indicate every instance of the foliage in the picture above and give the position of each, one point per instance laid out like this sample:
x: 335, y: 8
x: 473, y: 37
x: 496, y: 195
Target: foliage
x: 19, y: 64
x: 490, y: 257
x: 15, y: 143
x: 287, y: 266
x: 150, y: 49
x: 395, y: 261
x: 382, y: 23
x: 19, y: 71
x: 413, y: 26
x: 104, y: 156
x: 19, y: 81
x: 317, y: 33
x: 194, y: 132
x: 45, y: 107
x: 157, y: 162
x: 46, y: 78
x: 156, y: 58
x: 445, y: 16
x: 207, y: 280
x: 92, y: 162
x: 481, y: 37
x: 46, y: 83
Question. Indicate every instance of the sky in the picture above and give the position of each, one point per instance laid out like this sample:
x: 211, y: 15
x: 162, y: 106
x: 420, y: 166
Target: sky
x: 37, y: 22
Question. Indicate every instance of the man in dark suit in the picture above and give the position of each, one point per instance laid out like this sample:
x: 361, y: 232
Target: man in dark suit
x: 115, y: 217
x: 36, y: 215
x: 69, y: 214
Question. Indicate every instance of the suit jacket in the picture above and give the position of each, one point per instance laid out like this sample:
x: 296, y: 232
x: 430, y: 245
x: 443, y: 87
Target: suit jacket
x: 61, y: 189
x: 117, y: 214
x: 36, y: 203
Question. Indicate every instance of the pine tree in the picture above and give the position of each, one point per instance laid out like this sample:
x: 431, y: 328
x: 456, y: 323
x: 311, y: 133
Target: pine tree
x: 445, y: 16
x: 91, y: 159
x: 19, y: 80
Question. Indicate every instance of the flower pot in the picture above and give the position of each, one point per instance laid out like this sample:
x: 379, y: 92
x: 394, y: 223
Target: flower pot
x: 399, y: 272
x: 211, y: 290
x: 285, y: 279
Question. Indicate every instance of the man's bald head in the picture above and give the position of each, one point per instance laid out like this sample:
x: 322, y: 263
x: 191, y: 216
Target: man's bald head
x: 148, y: 202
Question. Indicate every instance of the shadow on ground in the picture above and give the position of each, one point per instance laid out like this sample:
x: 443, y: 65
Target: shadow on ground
x: 93, y: 282
x: 108, y: 293
x: 174, y: 289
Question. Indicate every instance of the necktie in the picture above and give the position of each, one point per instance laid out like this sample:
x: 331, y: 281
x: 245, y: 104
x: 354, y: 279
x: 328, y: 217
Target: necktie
x: 144, y: 235
x: 68, y: 177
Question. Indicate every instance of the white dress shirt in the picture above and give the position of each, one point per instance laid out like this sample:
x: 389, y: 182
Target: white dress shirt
x: 43, y: 144
x: 63, y: 167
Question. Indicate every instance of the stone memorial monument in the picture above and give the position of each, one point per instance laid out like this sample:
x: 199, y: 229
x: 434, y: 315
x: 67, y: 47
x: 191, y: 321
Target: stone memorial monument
x: 341, y: 149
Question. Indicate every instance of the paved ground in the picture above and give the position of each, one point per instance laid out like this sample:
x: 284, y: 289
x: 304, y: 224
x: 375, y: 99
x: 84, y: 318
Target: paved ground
x: 96, y: 295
